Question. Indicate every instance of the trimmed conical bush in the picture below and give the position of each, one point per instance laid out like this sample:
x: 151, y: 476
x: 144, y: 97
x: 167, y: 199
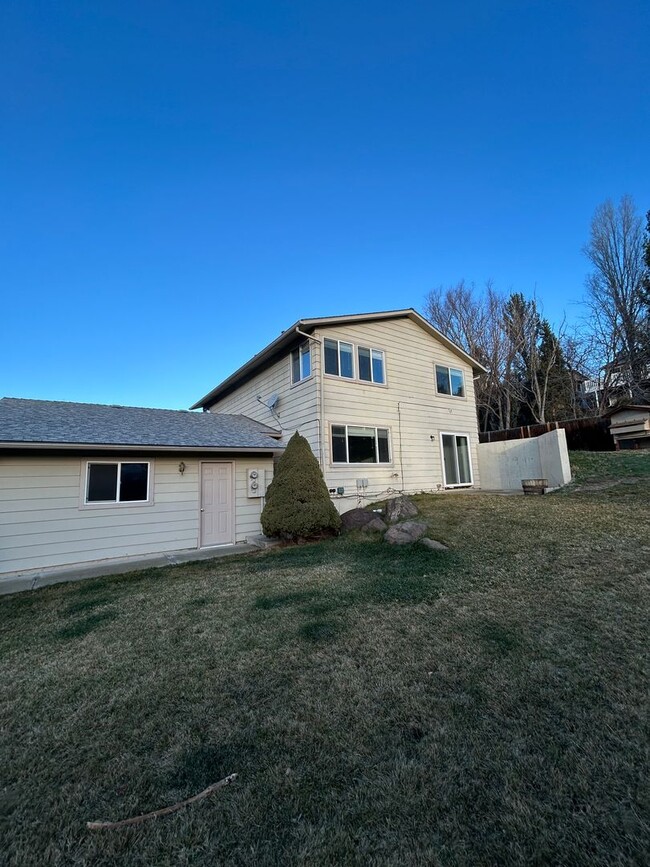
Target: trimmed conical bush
x: 298, y: 504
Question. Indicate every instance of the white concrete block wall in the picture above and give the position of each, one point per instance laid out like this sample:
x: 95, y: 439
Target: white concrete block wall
x: 503, y: 465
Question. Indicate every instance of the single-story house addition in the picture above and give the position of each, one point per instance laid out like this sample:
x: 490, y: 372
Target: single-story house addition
x: 81, y: 483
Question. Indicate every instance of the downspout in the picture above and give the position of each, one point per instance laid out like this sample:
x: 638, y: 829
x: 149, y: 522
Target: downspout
x: 319, y: 420
x: 399, y: 425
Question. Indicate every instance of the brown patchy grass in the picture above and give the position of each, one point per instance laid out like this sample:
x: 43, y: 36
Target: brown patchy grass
x: 482, y: 706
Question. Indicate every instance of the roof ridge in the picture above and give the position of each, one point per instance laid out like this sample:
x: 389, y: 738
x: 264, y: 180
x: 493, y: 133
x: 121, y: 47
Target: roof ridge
x: 102, y: 405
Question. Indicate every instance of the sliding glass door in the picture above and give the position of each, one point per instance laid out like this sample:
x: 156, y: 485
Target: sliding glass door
x: 456, y: 460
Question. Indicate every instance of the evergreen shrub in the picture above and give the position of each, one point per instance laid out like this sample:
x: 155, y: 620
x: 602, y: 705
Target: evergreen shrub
x: 298, y: 505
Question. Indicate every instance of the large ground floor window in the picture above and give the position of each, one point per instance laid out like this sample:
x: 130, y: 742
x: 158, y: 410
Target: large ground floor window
x: 457, y: 464
x: 117, y: 482
x: 353, y: 444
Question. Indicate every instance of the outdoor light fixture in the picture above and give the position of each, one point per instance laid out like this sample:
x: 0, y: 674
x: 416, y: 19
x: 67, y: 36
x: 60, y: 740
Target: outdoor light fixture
x: 181, y: 467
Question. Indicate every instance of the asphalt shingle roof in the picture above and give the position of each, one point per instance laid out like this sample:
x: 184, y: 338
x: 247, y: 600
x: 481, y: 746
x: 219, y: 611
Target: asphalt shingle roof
x: 53, y: 421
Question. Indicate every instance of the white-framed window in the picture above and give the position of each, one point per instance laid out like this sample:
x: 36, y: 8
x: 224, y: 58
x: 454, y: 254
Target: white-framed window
x: 356, y: 444
x: 117, y: 482
x: 301, y: 363
x: 339, y: 358
x: 371, y: 364
x: 450, y: 381
x: 456, y: 460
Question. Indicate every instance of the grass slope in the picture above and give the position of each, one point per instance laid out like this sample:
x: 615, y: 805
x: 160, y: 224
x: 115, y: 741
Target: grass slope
x: 381, y: 706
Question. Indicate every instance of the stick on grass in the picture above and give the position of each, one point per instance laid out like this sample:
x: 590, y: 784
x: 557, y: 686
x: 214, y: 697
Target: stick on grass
x: 165, y: 811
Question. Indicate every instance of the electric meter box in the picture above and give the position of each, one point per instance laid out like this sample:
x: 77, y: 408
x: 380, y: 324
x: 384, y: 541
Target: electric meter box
x: 256, y: 482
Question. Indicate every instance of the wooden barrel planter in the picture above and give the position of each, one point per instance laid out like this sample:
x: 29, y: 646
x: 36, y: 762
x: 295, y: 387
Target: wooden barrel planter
x: 534, y: 486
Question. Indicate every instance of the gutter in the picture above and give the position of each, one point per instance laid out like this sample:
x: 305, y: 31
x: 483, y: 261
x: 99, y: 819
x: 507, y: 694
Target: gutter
x: 143, y: 447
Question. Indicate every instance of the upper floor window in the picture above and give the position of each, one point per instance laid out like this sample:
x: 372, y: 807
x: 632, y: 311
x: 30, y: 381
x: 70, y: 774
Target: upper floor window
x: 300, y: 363
x: 339, y: 358
x: 352, y: 444
x: 449, y: 380
x: 371, y: 364
x: 117, y: 482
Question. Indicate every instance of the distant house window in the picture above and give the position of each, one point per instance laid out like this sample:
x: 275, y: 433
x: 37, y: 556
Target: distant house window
x: 339, y: 358
x: 117, y: 482
x: 300, y: 363
x: 371, y: 364
x: 353, y: 444
x: 449, y: 380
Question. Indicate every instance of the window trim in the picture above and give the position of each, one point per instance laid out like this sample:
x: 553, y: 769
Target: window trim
x: 114, y: 504
x: 349, y: 463
x: 447, y: 433
x: 299, y: 349
x: 449, y: 368
x: 370, y: 349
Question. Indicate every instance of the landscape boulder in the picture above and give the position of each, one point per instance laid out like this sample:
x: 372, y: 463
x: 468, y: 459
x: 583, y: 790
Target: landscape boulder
x: 376, y: 525
x: 361, y: 519
x: 400, y: 509
x: 434, y: 545
x: 405, y: 533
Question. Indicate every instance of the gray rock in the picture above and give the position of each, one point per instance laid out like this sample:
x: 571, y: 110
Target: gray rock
x: 399, y: 509
x: 376, y: 525
x: 262, y: 541
x: 405, y: 533
x: 358, y: 519
x: 434, y: 545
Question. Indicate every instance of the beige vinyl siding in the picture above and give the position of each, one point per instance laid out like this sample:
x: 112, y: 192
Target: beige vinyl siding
x: 42, y: 524
x: 297, y: 408
x: 408, y: 405
x: 248, y: 509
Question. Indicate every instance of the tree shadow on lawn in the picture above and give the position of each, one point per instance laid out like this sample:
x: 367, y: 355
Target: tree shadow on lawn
x: 372, y: 573
x: 80, y: 628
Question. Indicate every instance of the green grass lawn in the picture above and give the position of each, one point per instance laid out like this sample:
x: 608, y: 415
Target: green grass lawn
x: 482, y: 706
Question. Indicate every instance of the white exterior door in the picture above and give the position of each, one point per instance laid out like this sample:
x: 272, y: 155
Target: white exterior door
x: 216, y: 504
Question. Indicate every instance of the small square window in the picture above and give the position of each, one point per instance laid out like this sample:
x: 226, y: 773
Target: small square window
x: 339, y: 358
x: 371, y: 364
x: 450, y: 380
x: 102, y: 483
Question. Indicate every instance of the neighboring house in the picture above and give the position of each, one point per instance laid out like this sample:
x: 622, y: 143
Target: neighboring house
x: 385, y: 400
x: 630, y: 426
x: 85, y: 482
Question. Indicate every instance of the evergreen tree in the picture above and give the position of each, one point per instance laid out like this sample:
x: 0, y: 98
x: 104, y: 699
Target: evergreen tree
x: 554, y: 382
x: 298, y: 504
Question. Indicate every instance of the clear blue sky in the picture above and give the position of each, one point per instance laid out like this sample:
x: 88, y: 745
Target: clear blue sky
x: 180, y: 181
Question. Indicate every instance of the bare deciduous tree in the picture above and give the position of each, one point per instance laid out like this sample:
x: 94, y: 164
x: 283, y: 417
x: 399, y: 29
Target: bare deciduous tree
x: 529, y: 378
x: 615, y: 297
x: 474, y: 321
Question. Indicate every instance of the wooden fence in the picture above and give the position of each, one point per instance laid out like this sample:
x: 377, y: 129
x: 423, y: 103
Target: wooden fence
x: 582, y: 434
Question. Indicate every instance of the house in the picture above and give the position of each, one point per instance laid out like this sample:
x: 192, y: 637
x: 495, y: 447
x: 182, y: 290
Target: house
x: 81, y: 483
x: 385, y: 400
x: 630, y: 426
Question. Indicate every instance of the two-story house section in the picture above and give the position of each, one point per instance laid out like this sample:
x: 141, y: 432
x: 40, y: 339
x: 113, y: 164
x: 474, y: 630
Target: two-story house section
x: 385, y: 400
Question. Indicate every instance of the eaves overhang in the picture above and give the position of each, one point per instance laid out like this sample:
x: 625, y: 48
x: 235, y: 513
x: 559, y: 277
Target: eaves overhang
x: 292, y: 336
x: 145, y: 447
